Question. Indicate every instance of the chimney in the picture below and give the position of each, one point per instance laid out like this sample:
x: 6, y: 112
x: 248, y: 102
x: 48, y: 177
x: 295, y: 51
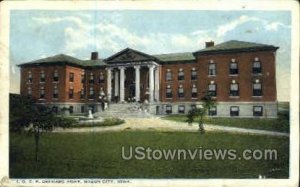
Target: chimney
x: 209, y: 44
x: 94, y: 56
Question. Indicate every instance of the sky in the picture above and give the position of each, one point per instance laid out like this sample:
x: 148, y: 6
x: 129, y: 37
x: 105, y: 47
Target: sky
x: 36, y: 34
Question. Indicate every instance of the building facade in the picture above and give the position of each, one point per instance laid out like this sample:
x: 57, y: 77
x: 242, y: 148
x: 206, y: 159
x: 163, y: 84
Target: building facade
x: 241, y: 76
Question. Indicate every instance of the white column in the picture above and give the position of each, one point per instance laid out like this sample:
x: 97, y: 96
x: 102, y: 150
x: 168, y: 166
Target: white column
x: 137, y: 83
x: 108, y: 84
x: 151, y: 83
x: 116, y: 83
x: 122, y: 83
x: 157, y: 84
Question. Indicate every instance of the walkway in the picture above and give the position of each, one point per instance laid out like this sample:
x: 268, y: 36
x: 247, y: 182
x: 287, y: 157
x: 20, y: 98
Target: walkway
x: 166, y: 125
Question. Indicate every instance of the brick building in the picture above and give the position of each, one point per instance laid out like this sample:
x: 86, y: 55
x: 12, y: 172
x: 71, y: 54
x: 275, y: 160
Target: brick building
x: 240, y: 75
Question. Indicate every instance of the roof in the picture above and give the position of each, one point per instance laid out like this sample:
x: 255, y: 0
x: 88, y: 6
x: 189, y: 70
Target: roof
x: 235, y: 46
x: 188, y: 56
x: 62, y: 58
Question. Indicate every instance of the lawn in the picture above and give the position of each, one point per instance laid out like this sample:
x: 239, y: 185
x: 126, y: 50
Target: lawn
x: 89, y: 155
x: 281, y: 124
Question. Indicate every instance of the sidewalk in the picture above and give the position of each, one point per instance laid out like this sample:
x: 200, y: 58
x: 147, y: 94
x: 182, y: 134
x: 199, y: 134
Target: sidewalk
x: 166, y: 125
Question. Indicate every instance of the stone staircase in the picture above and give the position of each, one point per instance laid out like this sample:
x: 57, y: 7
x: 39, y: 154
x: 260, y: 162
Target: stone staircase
x: 125, y: 110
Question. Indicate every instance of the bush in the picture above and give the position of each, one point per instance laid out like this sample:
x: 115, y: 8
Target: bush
x: 106, y: 122
x: 65, y: 122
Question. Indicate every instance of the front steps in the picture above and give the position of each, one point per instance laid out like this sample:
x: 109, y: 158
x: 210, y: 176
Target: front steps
x: 126, y: 110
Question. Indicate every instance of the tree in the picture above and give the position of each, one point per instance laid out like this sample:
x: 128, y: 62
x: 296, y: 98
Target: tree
x: 25, y: 113
x: 201, y: 110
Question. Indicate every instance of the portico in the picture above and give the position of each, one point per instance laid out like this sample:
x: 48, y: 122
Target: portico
x: 134, y: 76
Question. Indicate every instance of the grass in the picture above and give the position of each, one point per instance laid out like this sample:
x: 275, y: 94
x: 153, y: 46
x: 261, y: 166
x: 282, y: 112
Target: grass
x: 98, y: 155
x: 281, y: 124
x: 105, y: 123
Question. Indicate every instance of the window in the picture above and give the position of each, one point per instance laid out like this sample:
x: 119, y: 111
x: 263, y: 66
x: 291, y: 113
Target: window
x: 194, y: 74
x: 55, y: 109
x: 71, y: 77
x: 212, y: 89
x: 168, y: 75
x: 82, y: 78
x: 91, y: 95
x: 256, y: 66
x: 212, y: 111
x: 233, y: 67
x: 82, y: 109
x: 55, y: 92
x: 180, y: 91
x: 71, y: 109
x: 257, y: 110
x: 29, y: 91
x: 169, y: 92
x: 82, y: 93
x: 193, y: 107
x: 42, y: 76
x: 169, y: 109
x: 181, y: 74
x: 101, y: 77
x: 55, y: 76
x: 91, y: 78
x: 257, y: 90
x: 29, y: 80
x: 181, y: 109
x: 71, y: 93
x: 42, y: 92
x: 234, y: 89
x: 212, y: 69
x: 194, y: 91
x: 234, y: 111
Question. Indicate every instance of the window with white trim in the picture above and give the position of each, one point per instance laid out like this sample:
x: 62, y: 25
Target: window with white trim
x: 234, y: 111
x: 55, y: 76
x: 256, y: 66
x: 168, y: 75
x: 82, y: 93
x: 169, y: 92
x: 180, y: 91
x: 55, y: 91
x: 169, y: 109
x: 257, y: 110
x: 181, y: 109
x: 29, y: 91
x: 212, y: 69
x: 234, y: 89
x: 194, y: 74
x: 101, y: 77
x: 257, y: 88
x: 42, y: 76
x: 42, y: 92
x: 29, y: 78
x: 91, y: 80
x: 194, y: 91
x: 212, y: 111
x: 91, y: 95
x: 71, y: 92
x: 180, y: 74
x: 233, y: 67
x: 212, y: 89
